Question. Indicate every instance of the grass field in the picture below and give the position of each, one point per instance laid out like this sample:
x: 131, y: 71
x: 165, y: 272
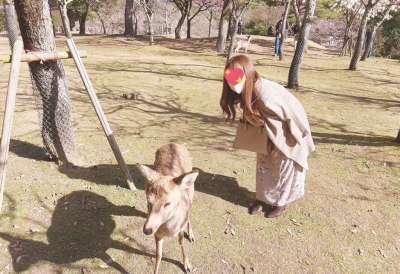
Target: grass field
x: 82, y: 219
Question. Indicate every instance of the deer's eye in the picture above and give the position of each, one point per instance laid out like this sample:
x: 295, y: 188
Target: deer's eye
x: 167, y: 204
x: 149, y: 206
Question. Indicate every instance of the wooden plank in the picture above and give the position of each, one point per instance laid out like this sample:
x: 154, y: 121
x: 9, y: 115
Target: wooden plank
x: 93, y: 97
x: 45, y: 56
x: 9, y: 114
x: 100, y: 113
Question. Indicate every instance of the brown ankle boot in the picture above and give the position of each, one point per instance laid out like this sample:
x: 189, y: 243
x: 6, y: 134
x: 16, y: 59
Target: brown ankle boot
x: 256, y: 207
x: 275, y: 211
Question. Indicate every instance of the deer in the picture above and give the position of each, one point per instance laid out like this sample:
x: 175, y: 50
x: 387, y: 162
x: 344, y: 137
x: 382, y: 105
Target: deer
x: 169, y: 189
x: 243, y: 44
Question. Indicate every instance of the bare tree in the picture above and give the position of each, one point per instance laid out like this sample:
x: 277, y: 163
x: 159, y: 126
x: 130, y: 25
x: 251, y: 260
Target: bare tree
x: 48, y: 78
x: 183, y: 7
x: 223, y: 25
x: 210, y: 17
x: 372, y: 26
x: 293, y: 78
x: 201, y: 5
x: 230, y: 27
x: 129, y: 5
x: 351, y: 12
x: 135, y: 19
x: 149, y: 7
x: 368, y: 6
x: 97, y: 7
x: 83, y: 18
x: 78, y: 10
x: 168, y: 12
x: 350, y: 18
x: 238, y: 9
x: 216, y: 7
x: 296, y: 4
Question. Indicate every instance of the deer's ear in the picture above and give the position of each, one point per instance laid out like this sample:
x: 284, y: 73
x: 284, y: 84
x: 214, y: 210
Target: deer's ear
x: 187, y: 180
x: 148, y: 173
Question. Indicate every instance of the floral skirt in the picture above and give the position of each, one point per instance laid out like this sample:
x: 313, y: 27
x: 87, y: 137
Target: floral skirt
x: 279, y: 180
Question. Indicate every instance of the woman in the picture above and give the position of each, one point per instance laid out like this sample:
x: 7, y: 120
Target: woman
x: 282, y: 168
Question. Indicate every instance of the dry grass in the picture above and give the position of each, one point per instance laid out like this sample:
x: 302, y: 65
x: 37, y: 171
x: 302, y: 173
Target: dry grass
x: 64, y: 221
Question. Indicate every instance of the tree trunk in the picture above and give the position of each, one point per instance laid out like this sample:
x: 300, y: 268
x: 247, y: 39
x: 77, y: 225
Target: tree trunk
x: 296, y: 13
x: 48, y: 78
x: 188, y: 28
x: 82, y: 20
x: 283, y: 28
x: 179, y: 25
x: 71, y: 19
x: 11, y: 22
x: 372, y: 32
x: 398, y: 137
x: 293, y: 79
x: 151, y: 33
x: 230, y: 27
x: 223, y: 27
x: 135, y: 32
x: 189, y: 19
x: 360, y: 40
x: 166, y: 19
x: 233, y: 35
x: 222, y: 32
x: 210, y: 23
x: 151, y: 30
x: 369, y: 41
x: 129, y: 18
x: 348, y: 36
x: 103, y: 25
x: 346, y: 41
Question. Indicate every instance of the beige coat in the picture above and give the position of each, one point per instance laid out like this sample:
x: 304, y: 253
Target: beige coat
x: 286, y: 121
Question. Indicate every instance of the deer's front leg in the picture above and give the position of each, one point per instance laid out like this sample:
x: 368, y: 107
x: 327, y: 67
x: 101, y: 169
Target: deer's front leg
x: 185, y: 259
x: 159, y: 246
x: 190, y: 233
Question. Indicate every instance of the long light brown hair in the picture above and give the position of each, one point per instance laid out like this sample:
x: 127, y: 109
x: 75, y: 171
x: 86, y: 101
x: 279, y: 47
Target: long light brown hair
x: 229, y: 98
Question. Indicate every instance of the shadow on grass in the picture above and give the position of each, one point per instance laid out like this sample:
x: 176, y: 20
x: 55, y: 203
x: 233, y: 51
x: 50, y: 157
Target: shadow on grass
x: 386, y: 104
x: 193, y: 45
x: 27, y: 150
x: 353, y: 139
x: 81, y: 228
x: 173, y: 70
x: 347, y: 137
x: 224, y: 187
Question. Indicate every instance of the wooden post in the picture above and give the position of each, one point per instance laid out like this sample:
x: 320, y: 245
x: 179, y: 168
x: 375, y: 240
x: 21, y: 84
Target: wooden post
x: 45, y: 56
x: 9, y: 113
x: 95, y: 101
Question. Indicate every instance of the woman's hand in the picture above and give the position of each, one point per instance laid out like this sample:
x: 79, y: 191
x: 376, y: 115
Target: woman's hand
x: 254, y: 120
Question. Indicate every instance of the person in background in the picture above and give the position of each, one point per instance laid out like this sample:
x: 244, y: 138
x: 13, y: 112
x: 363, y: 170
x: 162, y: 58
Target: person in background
x: 240, y: 27
x: 278, y: 38
x: 270, y: 31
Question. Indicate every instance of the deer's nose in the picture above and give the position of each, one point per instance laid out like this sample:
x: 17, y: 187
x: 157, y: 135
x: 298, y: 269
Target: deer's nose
x: 147, y: 231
